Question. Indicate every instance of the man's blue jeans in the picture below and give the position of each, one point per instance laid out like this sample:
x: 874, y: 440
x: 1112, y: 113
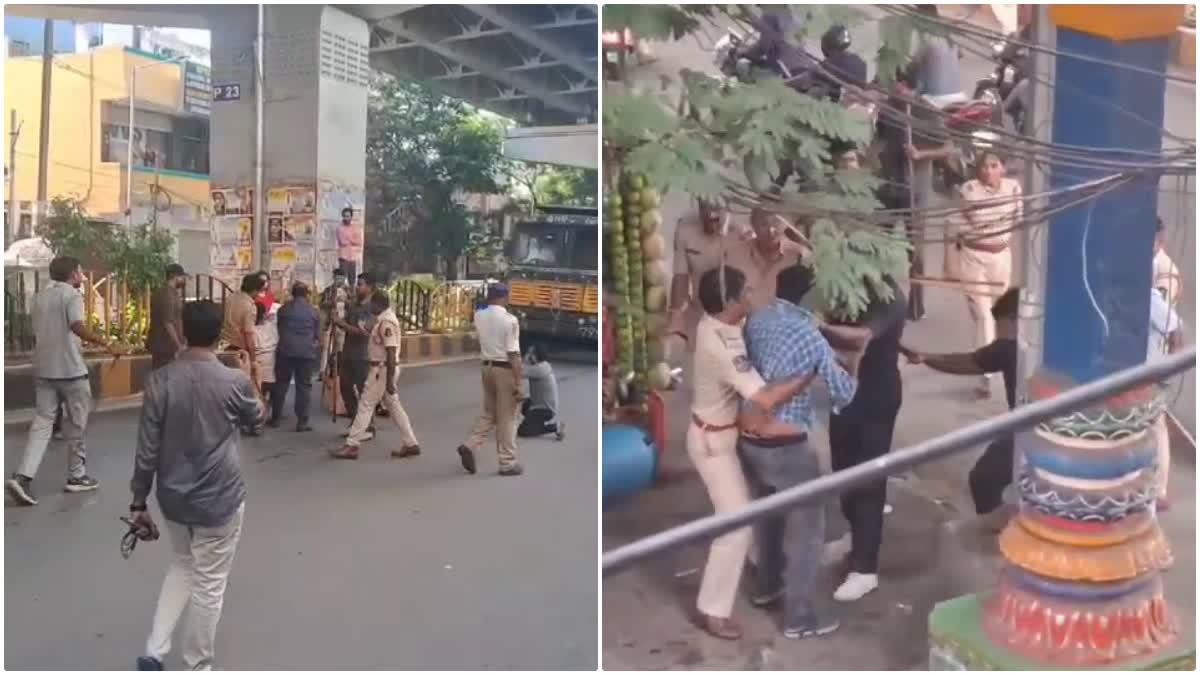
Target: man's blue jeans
x: 789, y: 545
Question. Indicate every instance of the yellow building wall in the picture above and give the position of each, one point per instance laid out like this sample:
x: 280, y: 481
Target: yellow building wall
x: 80, y: 85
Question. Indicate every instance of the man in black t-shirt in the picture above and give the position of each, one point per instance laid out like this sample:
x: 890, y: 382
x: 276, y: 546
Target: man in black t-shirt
x: 994, y: 470
x: 862, y: 431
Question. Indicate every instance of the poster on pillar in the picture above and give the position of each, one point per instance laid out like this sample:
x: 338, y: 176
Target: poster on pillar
x: 282, y: 267
x: 233, y: 201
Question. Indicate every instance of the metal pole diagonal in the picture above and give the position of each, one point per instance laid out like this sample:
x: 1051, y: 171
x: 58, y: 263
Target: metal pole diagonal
x: 895, y: 462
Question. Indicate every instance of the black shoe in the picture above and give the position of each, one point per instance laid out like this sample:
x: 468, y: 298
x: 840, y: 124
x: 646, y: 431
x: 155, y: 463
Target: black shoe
x: 816, y: 627
x: 514, y: 470
x: 302, y: 427
x: 767, y: 599
x: 81, y: 484
x: 21, y: 489
x: 149, y: 663
x: 467, y: 457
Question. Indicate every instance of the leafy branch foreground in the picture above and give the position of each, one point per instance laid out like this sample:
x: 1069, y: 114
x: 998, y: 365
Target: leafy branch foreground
x: 690, y: 144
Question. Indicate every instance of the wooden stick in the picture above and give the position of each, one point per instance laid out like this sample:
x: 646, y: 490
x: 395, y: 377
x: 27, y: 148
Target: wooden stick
x: 924, y: 278
x: 957, y: 286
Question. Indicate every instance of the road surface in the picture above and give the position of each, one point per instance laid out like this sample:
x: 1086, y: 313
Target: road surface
x: 932, y: 548
x: 374, y: 564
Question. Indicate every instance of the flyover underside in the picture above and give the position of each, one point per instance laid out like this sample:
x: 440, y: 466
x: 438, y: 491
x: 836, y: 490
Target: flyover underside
x: 565, y: 146
x: 535, y: 64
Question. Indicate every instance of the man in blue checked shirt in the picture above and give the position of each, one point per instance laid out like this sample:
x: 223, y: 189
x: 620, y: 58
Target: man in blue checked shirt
x: 783, y: 339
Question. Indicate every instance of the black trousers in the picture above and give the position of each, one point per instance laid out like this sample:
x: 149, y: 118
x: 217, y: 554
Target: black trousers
x: 536, y: 422
x: 862, y: 432
x: 352, y: 374
x: 991, y: 474
x: 285, y: 368
x: 916, y: 259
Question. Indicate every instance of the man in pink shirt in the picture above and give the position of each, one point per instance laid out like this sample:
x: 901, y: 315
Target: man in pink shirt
x: 350, y: 243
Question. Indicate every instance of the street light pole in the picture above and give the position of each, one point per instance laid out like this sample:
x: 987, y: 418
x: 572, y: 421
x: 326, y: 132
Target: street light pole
x: 129, y: 145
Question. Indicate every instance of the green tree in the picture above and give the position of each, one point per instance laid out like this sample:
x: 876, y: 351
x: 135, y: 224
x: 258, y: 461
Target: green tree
x: 425, y: 150
x: 549, y: 185
x: 684, y: 144
x: 137, y: 255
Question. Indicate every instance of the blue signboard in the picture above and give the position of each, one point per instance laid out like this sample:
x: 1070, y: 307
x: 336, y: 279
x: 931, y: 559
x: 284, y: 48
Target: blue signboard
x: 227, y: 92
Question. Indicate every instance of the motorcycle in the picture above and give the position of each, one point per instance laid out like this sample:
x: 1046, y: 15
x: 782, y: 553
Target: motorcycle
x: 964, y: 119
x: 729, y: 58
x: 1010, y: 59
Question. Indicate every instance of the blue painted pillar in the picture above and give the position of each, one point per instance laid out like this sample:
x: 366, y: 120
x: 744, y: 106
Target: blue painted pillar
x: 1082, y: 587
x: 1099, y: 254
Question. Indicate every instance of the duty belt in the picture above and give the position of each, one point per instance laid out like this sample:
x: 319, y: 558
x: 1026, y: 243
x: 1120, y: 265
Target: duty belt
x: 705, y: 426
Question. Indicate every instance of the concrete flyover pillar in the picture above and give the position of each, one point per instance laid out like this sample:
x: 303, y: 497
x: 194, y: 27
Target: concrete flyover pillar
x: 315, y: 79
x: 1082, y: 587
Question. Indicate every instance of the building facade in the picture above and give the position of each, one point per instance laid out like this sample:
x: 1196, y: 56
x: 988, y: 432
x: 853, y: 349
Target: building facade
x: 89, y: 139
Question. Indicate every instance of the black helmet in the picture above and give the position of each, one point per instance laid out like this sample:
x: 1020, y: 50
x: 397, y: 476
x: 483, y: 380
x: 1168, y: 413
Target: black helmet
x: 836, y: 39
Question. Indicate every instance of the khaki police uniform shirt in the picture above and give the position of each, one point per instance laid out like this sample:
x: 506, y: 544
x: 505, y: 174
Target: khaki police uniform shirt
x: 499, y: 333
x: 697, y: 252
x: 385, y: 334
x: 761, y: 270
x: 722, y: 372
x: 240, y: 314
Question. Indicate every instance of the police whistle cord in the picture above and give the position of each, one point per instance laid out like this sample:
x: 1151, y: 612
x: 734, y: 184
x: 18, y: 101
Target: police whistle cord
x: 1023, y: 417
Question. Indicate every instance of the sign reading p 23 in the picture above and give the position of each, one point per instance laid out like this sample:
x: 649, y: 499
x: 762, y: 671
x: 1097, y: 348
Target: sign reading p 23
x: 227, y: 92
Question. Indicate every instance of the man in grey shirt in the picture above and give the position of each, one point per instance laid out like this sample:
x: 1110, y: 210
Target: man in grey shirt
x: 540, y: 407
x: 60, y: 376
x: 192, y: 411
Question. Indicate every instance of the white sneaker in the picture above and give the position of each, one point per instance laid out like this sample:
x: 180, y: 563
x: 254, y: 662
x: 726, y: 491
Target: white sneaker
x: 836, y: 550
x: 856, y: 586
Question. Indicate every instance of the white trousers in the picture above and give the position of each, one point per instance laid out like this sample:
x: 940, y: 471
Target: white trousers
x: 196, y: 581
x: 714, y: 453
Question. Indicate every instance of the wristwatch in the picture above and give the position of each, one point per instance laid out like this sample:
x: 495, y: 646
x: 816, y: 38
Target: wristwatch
x: 134, y: 508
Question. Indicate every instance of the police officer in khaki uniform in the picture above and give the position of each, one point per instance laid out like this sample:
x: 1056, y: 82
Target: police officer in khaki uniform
x: 722, y: 374
x: 770, y: 252
x: 702, y: 242
x: 383, y: 355
x: 499, y: 336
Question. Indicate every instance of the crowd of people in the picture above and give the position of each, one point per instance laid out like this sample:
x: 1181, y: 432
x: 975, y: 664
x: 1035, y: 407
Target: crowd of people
x: 738, y: 302
x: 221, y: 372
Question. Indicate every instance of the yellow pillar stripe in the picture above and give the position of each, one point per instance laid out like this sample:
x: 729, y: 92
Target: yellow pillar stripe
x: 1120, y: 22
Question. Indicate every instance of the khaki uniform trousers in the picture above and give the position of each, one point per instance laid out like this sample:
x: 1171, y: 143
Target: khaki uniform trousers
x: 714, y: 454
x: 500, y: 409
x: 982, y: 266
x: 375, y: 392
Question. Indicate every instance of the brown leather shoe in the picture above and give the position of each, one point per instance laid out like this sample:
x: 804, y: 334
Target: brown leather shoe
x: 723, y: 628
x: 409, y: 451
x: 347, y: 452
x: 467, y: 457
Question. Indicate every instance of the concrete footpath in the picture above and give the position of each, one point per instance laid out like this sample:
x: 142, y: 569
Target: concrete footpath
x: 933, y: 548
x: 374, y: 564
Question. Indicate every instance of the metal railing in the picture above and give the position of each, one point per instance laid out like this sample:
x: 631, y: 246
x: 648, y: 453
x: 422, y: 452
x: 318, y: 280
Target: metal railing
x: 1023, y: 417
x: 109, y: 306
x: 446, y: 307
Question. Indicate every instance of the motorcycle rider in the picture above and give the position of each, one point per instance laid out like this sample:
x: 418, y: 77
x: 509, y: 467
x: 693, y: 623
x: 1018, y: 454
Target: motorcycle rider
x: 843, y: 64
